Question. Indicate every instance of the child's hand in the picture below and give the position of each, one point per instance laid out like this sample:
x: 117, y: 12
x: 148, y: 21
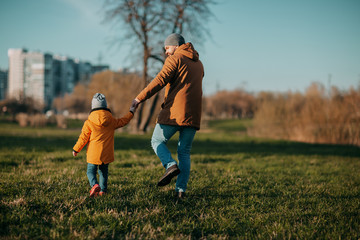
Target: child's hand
x: 74, y: 153
x: 133, y: 110
x: 134, y: 105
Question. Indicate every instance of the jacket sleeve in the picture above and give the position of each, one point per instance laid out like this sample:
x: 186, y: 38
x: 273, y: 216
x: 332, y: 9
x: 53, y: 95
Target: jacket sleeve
x: 83, y: 138
x: 121, y: 122
x: 166, y: 74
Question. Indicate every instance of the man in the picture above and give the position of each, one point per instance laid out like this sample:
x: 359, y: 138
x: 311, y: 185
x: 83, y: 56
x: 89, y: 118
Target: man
x: 181, y: 75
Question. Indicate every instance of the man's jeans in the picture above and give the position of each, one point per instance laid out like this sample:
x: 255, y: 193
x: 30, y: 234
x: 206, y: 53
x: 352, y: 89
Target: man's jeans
x: 103, y: 175
x: 161, y: 135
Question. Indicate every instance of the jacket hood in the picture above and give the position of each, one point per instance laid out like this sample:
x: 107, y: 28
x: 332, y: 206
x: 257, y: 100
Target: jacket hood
x: 100, y: 117
x: 188, y: 51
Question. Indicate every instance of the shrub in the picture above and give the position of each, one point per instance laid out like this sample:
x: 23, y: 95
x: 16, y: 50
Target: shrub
x: 22, y: 119
x: 316, y: 116
x: 61, y: 121
x: 37, y: 120
x: 230, y: 104
x: 40, y: 120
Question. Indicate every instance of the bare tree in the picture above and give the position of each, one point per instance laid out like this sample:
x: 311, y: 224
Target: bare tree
x: 144, y: 25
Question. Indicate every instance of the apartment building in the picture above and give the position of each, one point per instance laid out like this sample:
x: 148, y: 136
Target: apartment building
x: 16, y: 72
x: 38, y: 82
x: 64, y: 73
x: 3, y: 83
x: 44, y: 76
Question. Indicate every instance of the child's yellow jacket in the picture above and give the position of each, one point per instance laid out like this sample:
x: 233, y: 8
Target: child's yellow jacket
x: 98, y: 132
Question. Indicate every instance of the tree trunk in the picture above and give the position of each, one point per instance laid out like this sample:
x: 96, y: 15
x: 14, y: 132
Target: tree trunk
x: 151, y: 112
x: 154, y: 102
x: 145, y: 81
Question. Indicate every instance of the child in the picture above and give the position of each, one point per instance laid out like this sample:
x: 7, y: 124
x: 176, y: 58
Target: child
x: 98, y: 133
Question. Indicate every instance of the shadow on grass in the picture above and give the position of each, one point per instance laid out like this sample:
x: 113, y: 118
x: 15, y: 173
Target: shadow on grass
x: 274, y: 147
x: 200, y: 146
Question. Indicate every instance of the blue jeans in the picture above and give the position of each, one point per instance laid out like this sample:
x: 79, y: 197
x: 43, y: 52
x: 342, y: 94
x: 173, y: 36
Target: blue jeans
x: 161, y: 135
x: 103, y: 175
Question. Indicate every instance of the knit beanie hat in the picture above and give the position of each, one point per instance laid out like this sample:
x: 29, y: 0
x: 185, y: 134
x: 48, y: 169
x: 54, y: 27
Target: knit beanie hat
x: 98, y: 101
x: 174, y: 39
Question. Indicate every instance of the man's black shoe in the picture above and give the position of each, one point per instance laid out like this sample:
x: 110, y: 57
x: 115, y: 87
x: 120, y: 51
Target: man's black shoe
x: 168, y: 175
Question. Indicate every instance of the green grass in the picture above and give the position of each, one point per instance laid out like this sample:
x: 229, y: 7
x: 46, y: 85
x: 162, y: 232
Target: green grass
x: 230, y: 125
x: 240, y: 187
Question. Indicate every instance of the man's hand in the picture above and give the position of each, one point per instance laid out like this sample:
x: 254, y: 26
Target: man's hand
x: 134, y: 105
x: 74, y: 153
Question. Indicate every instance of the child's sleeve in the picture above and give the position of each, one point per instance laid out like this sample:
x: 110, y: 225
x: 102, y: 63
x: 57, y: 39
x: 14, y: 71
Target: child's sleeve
x: 121, y: 122
x: 83, y: 138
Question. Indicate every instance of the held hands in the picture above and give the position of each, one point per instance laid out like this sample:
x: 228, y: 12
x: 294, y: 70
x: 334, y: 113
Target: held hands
x: 134, y: 105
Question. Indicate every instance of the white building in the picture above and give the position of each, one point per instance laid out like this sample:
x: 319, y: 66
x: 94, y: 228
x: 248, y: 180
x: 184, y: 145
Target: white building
x: 16, y: 73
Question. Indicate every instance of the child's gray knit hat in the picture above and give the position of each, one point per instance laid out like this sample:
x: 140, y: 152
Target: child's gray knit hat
x: 98, y: 101
x: 174, y: 39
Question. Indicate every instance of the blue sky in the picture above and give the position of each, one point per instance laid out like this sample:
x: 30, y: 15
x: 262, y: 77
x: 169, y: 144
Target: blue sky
x: 276, y: 45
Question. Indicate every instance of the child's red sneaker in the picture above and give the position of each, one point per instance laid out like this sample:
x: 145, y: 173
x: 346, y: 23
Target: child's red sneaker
x: 95, y: 190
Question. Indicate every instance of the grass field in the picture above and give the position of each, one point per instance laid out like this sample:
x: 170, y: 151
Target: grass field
x: 240, y: 187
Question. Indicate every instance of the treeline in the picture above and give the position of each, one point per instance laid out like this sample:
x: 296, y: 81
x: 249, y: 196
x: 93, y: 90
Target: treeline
x: 119, y: 88
x: 230, y: 104
x: 318, y: 115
